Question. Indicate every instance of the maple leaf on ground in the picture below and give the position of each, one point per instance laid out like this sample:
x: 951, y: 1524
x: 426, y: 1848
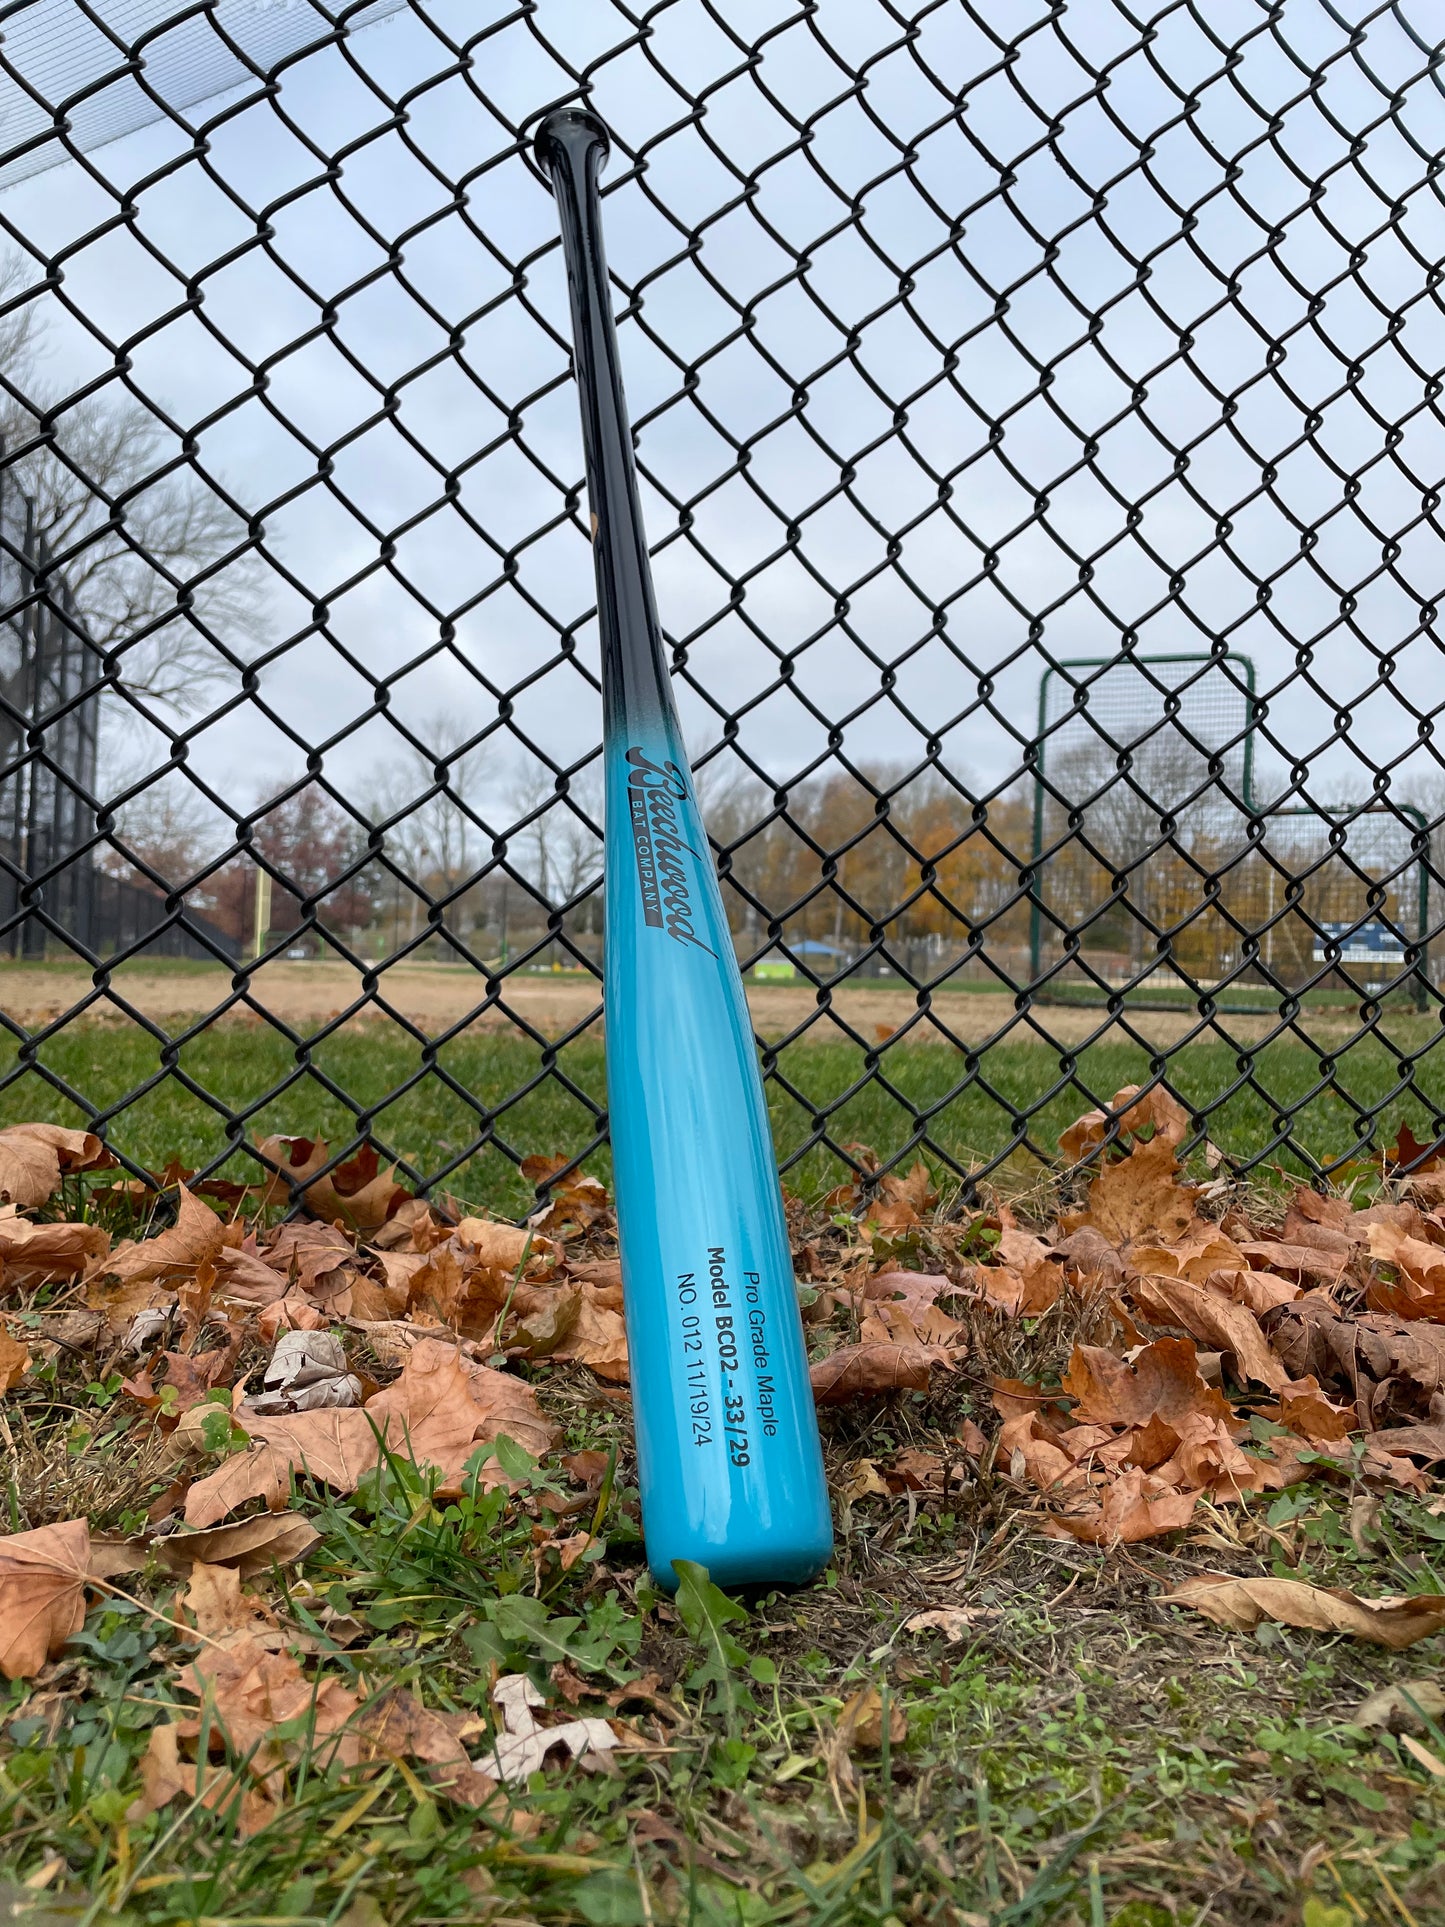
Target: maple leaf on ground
x: 1030, y: 1448
x: 1012, y: 1396
x: 291, y: 1160
x: 37, y: 1254
x: 444, y: 1406
x: 587, y: 1468
x: 358, y: 1191
x: 1418, y: 1291
x: 166, y: 1776
x: 1392, y: 1367
x: 244, y: 1277
x: 293, y: 1313
x: 1163, y: 1382
x: 868, y: 1371
x: 1425, y: 1442
x: 1257, y: 1291
x: 915, y: 1291
x: 1241, y: 1604
x: 1413, y: 1703
x: 394, y: 1725
x: 575, y: 1204
x: 1208, y: 1458
x: 928, y: 1326
x: 267, y: 1711
x: 250, y: 1546
x: 598, y: 1337
x: 1214, y: 1322
x: 337, y: 1447
x: 1203, y: 1250
x: 524, y: 1743
x: 34, y: 1158
x: 1332, y: 1224
x: 1139, y: 1197
x: 1408, y: 1150
x: 14, y: 1359
x: 1019, y: 1294
x: 195, y: 1239
x: 1304, y: 1261
x: 1131, y: 1114
x: 441, y: 1409
x: 42, y: 1594
x: 1136, y: 1506
x: 1305, y: 1410
x: 225, y: 1615
x: 1090, y: 1254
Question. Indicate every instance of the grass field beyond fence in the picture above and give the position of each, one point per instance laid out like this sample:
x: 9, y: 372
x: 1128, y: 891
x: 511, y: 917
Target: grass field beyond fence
x: 427, y: 1118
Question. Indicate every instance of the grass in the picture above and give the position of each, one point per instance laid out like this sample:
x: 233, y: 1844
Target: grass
x: 1081, y: 1755
x: 160, y: 1104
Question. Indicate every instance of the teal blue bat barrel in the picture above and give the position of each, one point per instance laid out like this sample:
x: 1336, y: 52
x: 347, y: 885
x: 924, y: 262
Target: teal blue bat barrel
x: 729, y: 1465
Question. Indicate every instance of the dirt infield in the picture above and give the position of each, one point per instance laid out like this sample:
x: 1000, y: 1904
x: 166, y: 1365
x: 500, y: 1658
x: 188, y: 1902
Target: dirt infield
x: 438, y: 998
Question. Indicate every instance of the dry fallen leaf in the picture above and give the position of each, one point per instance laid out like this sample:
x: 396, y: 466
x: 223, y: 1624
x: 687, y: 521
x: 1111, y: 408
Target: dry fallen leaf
x: 1215, y: 1322
x: 954, y: 1622
x: 306, y: 1373
x: 1392, y: 1367
x: 38, y: 1254
x: 166, y: 1776
x: 445, y: 1406
x: 1136, y: 1506
x: 1162, y: 1382
x: 1131, y: 1114
x: 293, y: 1160
x: 597, y: 1338
x: 14, y: 1359
x: 1306, y: 1411
x: 251, y: 1546
x: 1418, y: 1289
x: 523, y: 1746
x: 139, y: 1274
x: 1241, y: 1604
x: 1029, y: 1448
x: 868, y: 1371
x: 1139, y: 1196
x: 860, y: 1724
x: 225, y: 1615
x: 34, y: 1157
x: 42, y: 1594
x: 439, y: 1411
x: 336, y: 1447
x: 1398, y: 1708
x: 358, y: 1191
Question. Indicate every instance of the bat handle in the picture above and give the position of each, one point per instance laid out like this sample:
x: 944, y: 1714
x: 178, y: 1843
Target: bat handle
x: 571, y: 146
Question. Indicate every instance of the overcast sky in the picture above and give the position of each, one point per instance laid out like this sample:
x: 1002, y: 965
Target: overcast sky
x: 846, y: 550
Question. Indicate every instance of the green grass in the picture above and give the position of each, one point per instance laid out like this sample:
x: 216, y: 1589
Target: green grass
x: 172, y: 1107
x: 1080, y: 1756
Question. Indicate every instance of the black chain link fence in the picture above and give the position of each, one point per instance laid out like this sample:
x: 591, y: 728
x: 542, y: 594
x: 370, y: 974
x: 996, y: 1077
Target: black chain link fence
x: 1038, y: 408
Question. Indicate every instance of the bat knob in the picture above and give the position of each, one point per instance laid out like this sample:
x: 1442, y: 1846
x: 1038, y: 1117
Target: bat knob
x: 570, y: 135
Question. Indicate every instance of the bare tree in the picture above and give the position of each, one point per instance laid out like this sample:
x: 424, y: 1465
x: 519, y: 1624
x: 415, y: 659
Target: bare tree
x: 433, y: 838
x: 150, y: 552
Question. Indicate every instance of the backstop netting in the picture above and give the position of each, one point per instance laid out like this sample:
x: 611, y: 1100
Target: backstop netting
x: 1160, y: 871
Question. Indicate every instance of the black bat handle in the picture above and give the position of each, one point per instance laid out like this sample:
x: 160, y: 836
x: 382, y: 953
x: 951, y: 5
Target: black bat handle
x: 571, y: 146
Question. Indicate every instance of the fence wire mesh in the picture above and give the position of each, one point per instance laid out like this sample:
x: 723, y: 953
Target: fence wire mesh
x: 1038, y: 409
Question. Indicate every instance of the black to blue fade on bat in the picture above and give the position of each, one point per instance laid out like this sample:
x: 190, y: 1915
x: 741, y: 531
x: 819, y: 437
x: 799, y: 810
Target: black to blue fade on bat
x: 730, y: 1468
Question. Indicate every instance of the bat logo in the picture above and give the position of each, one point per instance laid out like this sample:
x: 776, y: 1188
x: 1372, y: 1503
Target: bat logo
x: 654, y: 792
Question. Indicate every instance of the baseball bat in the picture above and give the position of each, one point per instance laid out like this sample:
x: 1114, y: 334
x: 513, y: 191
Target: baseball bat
x: 730, y: 1469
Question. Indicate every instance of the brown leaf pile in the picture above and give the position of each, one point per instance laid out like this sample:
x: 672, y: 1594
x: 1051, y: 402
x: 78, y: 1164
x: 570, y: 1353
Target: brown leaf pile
x: 1208, y: 1349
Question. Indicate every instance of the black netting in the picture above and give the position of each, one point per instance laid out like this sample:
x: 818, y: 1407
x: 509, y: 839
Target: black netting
x: 1038, y: 411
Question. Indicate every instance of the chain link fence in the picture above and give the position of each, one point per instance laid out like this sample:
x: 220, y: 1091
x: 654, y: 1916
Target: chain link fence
x: 1038, y: 409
